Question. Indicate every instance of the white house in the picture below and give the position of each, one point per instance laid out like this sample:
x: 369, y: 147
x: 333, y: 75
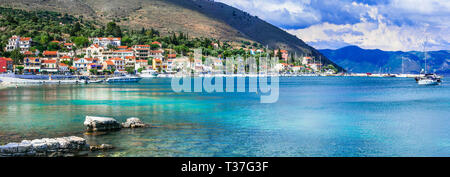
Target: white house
x: 17, y: 42
x: 105, y: 41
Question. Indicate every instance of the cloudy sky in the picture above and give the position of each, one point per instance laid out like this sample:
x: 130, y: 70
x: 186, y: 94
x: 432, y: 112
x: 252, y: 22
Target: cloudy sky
x: 390, y: 25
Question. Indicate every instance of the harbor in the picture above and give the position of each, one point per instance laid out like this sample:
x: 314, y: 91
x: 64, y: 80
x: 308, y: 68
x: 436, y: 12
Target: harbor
x: 315, y: 116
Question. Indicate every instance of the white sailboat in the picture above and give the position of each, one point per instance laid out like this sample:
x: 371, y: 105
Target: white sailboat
x: 428, y: 79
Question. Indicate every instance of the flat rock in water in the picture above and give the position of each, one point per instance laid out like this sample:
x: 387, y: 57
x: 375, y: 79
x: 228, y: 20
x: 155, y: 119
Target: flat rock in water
x: 101, y: 124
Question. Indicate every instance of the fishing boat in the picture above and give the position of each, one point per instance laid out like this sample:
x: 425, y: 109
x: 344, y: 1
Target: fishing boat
x: 148, y: 73
x: 123, y: 79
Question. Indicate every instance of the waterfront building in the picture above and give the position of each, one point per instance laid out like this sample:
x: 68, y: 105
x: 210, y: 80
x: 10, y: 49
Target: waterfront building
x: 49, y: 66
x: 130, y: 62
x: 141, y: 64
x: 82, y: 63
x: 32, y: 64
x: 157, y: 64
x: 108, y: 65
x: 17, y: 42
x: 6, y: 64
x: 63, y: 68
x: 119, y: 63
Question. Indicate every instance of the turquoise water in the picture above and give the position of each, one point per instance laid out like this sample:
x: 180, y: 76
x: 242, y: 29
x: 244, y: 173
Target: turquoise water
x: 315, y: 116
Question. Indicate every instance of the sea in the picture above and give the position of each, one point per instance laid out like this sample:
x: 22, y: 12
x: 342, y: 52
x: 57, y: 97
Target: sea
x: 313, y: 117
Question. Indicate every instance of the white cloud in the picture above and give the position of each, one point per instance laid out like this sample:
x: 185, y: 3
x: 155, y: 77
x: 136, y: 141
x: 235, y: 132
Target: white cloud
x: 384, y: 24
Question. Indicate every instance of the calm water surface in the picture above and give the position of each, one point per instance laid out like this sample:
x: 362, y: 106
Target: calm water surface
x: 315, y: 116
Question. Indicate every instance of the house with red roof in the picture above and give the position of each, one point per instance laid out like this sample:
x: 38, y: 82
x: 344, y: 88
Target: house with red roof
x: 157, y: 43
x: 49, y: 66
x: 50, y: 54
x: 63, y: 68
x: 141, y: 51
x: 284, y: 54
x: 82, y: 63
x: 119, y: 63
x: 65, y: 58
x: 69, y: 46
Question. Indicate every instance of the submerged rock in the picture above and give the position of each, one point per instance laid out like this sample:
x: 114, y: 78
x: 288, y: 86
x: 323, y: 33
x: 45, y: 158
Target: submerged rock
x: 102, y: 147
x: 101, y: 124
x: 134, y: 123
x: 46, y: 147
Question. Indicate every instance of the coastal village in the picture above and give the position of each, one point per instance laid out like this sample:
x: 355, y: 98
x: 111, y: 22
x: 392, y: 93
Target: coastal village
x: 107, y: 55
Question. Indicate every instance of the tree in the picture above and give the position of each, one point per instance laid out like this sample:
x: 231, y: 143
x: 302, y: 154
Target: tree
x: 17, y: 56
x: 130, y: 70
x: 20, y: 68
x: 113, y: 29
x: 81, y: 41
x: 93, y: 71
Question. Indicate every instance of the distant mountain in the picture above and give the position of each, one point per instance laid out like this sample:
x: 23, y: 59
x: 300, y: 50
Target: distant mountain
x: 358, y: 60
x: 198, y: 18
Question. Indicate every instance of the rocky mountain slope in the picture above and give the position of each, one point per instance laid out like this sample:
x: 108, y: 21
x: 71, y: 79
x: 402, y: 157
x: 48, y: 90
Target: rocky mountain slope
x: 198, y: 18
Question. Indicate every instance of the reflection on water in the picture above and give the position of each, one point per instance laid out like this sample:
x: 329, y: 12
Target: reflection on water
x: 315, y: 116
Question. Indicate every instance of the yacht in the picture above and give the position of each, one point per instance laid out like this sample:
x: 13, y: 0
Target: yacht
x: 429, y: 79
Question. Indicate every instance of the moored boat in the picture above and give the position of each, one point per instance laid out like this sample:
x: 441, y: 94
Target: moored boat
x: 148, y: 73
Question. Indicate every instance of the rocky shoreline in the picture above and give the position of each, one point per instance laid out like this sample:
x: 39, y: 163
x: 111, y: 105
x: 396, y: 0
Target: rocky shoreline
x: 70, y: 146
x: 47, y: 147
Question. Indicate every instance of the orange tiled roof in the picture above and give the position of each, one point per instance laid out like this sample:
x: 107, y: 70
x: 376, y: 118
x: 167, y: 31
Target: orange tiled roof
x: 65, y: 57
x: 108, y: 62
x: 25, y: 39
x: 50, y: 53
x: 156, y: 42
x: 122, y: 47
x: 49, y: 61
x: 68, y: 44
x: 62, y: 64
x: 141, y: 61
x: 172, y: 55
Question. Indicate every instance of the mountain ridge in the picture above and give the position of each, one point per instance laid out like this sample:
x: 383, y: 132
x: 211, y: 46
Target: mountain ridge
x: 361, y: 60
